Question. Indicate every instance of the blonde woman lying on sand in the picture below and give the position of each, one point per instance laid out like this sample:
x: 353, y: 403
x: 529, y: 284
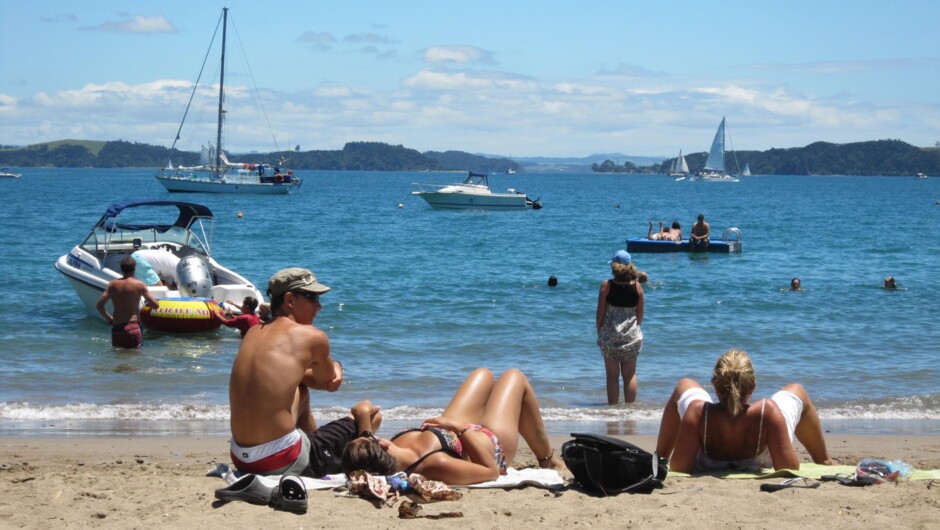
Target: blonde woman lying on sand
x: 697, y: 434
x: 473, y: 441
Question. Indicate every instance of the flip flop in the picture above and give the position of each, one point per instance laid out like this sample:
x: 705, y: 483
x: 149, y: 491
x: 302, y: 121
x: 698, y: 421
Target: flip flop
x: 798, y: 482
x: 290, y: 495
x: 249, y: 489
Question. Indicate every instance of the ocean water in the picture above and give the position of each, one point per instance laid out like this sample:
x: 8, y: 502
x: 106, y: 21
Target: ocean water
x: 421, y: 297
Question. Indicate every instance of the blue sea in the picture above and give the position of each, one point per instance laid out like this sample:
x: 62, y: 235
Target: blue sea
x: 421, y: 297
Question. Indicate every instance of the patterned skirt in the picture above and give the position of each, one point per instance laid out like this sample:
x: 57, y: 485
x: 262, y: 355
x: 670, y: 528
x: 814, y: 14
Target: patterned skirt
x: 620, y: 337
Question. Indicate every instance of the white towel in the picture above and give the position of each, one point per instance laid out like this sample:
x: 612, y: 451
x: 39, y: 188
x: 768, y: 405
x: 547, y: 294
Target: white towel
x: 328, y: 482
x: 514, y: 478
x: 517, y: 478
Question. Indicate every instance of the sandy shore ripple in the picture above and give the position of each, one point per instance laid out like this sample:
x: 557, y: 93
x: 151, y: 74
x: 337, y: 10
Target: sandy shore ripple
x: 161, y: 482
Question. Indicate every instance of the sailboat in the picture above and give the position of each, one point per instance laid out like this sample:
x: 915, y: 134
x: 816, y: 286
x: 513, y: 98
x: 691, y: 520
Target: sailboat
x: 215, y: 174
x: 680, y: 168
x: 747, y: 170
x: 714, y: 170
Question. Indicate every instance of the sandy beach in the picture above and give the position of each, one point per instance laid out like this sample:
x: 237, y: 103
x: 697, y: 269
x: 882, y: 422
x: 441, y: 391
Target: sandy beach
x: 161, y: 482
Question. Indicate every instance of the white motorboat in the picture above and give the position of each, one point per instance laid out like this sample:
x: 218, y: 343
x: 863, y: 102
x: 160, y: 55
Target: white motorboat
x: 215, y: 174
x: 6, y: 173
x: 473, y: 194
x: 920, y: 176
x: 714, y: 170
x: 178, y: 248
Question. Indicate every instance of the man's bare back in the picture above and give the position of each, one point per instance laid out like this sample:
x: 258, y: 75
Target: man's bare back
x: 279, y: 362
x: 125, y: 294
x: 273, y: 361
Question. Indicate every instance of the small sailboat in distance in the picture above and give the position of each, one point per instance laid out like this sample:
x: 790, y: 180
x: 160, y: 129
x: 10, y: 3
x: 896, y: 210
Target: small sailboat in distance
x: 747, y: 170
x: 680, y: 168
x: 714, y: 170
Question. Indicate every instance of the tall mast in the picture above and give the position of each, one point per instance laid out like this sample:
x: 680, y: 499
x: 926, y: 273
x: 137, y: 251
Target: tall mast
x: 218, y: 138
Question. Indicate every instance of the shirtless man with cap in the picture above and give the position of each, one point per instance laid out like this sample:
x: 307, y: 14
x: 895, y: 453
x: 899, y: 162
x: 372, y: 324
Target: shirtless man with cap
x: 273, y: 429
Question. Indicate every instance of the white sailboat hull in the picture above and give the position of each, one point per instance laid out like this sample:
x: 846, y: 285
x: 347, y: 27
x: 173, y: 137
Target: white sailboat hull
x: 186, y: 184
x: 719, y: 178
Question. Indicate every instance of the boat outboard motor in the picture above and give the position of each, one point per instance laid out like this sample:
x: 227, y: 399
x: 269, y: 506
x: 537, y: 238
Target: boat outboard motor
x: 194, y: 276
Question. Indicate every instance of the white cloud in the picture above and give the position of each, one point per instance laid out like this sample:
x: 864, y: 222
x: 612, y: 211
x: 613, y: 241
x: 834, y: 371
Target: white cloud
x: 845, y: 67
x: 457, y: 54
x: 315, y: 37
x: 464, y: 81
x: 139, y: 24
x: 439, y: 109
x: 367, y: 37
x: 333, y: 92
x: 62, y: 17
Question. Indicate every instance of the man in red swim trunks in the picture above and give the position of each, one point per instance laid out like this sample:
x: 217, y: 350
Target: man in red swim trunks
x: 125, y: 294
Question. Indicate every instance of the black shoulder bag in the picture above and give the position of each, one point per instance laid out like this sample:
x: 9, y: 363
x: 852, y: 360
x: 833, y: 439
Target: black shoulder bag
x: 607, y: 465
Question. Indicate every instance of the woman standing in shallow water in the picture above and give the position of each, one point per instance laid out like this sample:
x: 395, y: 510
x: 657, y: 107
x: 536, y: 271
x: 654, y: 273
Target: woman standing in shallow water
x: 619, y: 316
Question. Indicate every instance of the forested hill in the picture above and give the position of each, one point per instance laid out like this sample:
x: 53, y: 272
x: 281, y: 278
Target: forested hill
x: 373, y: 156
x: 881, y: 157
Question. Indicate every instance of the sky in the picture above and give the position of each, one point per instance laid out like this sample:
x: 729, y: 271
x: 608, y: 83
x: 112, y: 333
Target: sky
x: 511, y: 78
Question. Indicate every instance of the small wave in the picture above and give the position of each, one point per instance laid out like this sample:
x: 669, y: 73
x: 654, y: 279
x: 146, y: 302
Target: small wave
x: 925, y: 408
x: 90, y: 411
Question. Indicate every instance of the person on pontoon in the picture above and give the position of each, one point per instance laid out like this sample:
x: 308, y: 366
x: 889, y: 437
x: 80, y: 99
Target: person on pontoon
x: 700, y: 232
x: 665, y: 233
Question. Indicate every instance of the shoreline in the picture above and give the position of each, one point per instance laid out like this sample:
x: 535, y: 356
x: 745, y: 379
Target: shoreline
x: 161, y: 481
x: 119, y: 428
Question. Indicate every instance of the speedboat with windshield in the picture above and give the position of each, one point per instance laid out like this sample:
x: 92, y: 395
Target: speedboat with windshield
x: 175, y: 239
x: 473, y: 193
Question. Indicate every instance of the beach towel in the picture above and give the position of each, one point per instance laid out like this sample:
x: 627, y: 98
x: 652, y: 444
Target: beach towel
x: 517, y: 478
x: 229, y: 475
x: 814, y: 471
x: 514, y: 478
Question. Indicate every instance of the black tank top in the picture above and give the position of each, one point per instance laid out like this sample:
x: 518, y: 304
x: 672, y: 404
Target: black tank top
x: 622, y: 295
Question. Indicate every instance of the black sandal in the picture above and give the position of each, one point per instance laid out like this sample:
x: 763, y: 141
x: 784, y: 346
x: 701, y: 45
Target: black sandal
x: 798, y: 482
x: 290, y: 495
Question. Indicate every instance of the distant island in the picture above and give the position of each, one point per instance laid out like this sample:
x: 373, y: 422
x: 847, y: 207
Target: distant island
x: 880, y: 157
x: 372, y: 156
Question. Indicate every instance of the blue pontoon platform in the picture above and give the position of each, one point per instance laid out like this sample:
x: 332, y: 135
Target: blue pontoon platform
x: 730, y: 243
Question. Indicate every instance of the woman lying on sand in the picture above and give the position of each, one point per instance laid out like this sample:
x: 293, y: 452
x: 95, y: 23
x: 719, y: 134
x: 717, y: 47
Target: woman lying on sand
x: 697, y: 434
x: 473, y: 441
